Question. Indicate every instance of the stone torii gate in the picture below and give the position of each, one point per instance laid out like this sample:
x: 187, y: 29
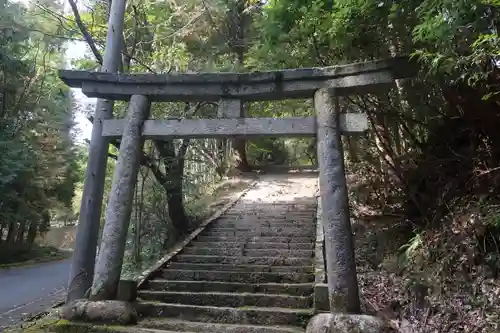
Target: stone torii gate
x: 231, y: 90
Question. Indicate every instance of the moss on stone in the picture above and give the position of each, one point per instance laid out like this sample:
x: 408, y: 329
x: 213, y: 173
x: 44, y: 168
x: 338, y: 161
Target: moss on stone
x: 64, y: 326
x: 303, y: 318
x: 41, y: 325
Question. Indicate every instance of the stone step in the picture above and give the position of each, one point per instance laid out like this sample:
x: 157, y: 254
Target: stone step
x: 254, y: 228
x: 304, y: 229
x: 201, y: 327
x: 289, y: 218
x: 76, y: 327
x: 228, y: 276
x: 294, y: 289
x: 278, y: 207
x: 226, y: 315
x: 296, y: 231
x: 275, y: 211
x: 259, y: 233
x: 276, y: 261
x: 264, y: 213
x: 241, y: 268
x: 283, y: 224
x: 253, y: 245
x: 212, y: 251
x: 255, y: 238
x: 275, y: 218
x: 306, y: 211
x: 227, y: 299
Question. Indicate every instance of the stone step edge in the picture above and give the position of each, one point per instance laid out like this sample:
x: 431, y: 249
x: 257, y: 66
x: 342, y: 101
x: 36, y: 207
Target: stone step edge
x: 72, y: 326
x: 254, y: 242
x: 254, y: 246
x: 260, y: 233
x: 252, y: 227
x: 255, y: 239
x: 308, y: 284
x: 199, y: 326
x: 216, y: 250
x: 228, y: 308
x: 236, y: 276
x: 219, y: 259
x: 228, y: 315
x: 237, y: 248
x: 227, y: 299
x: 220, y: 223
x: 218, y: 256
x: 258, y: 268
x: 233, y: 272
x: 219, y: 293
x: 243, y: 236
x: 278, y: 288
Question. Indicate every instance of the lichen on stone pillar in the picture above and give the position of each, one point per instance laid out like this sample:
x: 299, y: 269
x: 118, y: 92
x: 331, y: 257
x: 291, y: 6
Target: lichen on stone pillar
x: 339, y: 248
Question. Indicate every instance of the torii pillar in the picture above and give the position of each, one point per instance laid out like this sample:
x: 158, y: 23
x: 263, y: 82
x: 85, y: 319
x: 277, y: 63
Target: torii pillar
x: 343, y: 291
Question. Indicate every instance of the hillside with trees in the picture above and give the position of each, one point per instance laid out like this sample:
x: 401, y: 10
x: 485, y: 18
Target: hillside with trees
x: 40, y: 164
x: 424, y: 181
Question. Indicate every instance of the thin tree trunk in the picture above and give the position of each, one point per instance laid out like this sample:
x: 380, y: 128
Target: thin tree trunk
x: 119, y: 209
x: 352, y: 149
x: 82, y: 267
x: 138, y: 220
x: 33, y: 229
x: 227, y: 109
x: 21, y: 230
x: 11, y: 233
x: 240, y: 146
x: 172, y: 183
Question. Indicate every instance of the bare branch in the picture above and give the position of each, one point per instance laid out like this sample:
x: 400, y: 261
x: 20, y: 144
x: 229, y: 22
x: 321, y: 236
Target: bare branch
x: 85, y: 32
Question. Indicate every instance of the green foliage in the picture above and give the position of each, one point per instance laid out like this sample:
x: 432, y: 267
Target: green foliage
x: 410, y: 250
x: 37, y: 164
x: 460, y: 39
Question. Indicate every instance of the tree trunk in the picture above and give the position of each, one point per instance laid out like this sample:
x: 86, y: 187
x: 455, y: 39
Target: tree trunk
x: 173, y: 183
x: 232, y: 108
x: 353, y: 149
x: 339, y: 245
x: 138, y: 219
x: 11, y: 233
x: 82, y: 267
x: 109, y: 263
x: 33, y: 229
x: 240, y: 145
x: 21, y: 230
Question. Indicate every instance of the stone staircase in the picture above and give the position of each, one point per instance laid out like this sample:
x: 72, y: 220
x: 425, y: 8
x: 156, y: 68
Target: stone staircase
x: 250, y: 271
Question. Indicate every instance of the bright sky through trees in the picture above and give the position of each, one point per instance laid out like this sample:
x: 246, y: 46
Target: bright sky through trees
x: 75, y: 50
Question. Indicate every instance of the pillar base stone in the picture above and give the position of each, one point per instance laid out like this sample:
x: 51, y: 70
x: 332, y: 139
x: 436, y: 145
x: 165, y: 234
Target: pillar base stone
x: 346, y: 323
x: 103, y: 312
x: 321, y: 301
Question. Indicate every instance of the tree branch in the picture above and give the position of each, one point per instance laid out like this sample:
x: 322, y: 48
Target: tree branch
x: 93, y: 43
x: 146, y: 160
x: 85, y: 32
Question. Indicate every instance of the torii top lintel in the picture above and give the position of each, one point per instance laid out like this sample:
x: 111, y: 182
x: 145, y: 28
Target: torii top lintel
x: 251, y: 86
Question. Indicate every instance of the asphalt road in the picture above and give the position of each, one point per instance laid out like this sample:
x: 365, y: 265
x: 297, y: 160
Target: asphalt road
x: 27, y: 291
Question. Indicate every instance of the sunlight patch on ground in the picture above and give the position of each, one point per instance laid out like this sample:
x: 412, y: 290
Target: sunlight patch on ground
x: 280, y: 185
